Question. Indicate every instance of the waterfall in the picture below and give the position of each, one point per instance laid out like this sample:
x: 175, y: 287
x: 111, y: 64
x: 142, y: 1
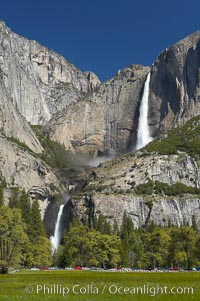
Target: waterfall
x: 55, y: 239
x: 47, y: 114
x: 143, y: 134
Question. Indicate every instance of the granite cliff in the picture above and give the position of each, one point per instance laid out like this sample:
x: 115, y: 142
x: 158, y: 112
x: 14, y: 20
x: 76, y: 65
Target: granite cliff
x: 39, y: 81
x: 159, y: 183
x: 39, y: 87
x: 35, y: 83
x: 174, y: 88
x: 113, y: 108
x: 20, y: 152
x: 105, y: 120
x: 149, y: 187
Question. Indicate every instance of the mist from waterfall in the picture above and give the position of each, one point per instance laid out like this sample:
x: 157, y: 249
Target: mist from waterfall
x: 55, y: 239
x: 143, y: 133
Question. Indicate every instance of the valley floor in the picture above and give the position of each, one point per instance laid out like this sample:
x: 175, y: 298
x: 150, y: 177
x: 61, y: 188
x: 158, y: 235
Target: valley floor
x: 92, y: 286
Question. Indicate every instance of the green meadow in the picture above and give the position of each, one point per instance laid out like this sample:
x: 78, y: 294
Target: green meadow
x: 92, y: 286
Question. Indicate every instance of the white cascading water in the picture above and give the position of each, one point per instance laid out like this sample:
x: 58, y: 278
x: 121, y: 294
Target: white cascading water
x: 55, y: 239
x: 47, y: 114
x: 143, y: 133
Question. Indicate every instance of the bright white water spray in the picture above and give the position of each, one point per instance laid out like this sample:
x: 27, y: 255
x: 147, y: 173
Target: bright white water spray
x: 143, y: 133
x: 55, y: 239
x: 47, y: 114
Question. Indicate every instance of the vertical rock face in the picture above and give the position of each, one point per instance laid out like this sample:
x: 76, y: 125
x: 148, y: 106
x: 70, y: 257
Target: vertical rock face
x: 21, y: 168
x: 98, y: 118
x: 41, y: 87
x: 163, y: 210
x: 175, y: 81
x: 104, y: 121
x: 20, y: 165
x: 114, y: 190
x: 174, y: 97
x: 21, y: 100
x: 94, y: 81
x: 39, y: 81
x: 13, y: 125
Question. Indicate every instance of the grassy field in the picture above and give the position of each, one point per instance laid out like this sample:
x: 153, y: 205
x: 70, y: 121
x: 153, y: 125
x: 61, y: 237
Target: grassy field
x: 92, y: 286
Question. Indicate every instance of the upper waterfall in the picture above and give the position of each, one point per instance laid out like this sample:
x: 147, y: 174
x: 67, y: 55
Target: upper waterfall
x: 143, y: 133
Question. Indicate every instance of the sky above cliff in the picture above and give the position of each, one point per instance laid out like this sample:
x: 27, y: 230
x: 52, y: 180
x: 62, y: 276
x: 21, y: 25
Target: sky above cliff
x: 105, y: 35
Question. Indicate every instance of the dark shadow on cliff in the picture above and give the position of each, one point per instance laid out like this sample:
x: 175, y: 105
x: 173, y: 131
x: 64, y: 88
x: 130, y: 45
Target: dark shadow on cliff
x: 51, y: 214
x: 191, y: 71
x: 163, y: 85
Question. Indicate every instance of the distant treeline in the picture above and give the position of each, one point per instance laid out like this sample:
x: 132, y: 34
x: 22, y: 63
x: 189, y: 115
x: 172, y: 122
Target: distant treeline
x: 104, y: 246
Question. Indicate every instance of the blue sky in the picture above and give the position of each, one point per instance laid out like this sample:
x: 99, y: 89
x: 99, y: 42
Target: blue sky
x: 105, y: 35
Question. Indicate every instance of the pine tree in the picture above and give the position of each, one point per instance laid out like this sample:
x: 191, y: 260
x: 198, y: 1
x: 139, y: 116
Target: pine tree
x: 127, y: 226
x: 14, y: 200
x: 1, y: 197
x: 115, y: 228
x: 194, y: 223
x: 36, y: 226
x: 102, y: 225
x: 25, y: 206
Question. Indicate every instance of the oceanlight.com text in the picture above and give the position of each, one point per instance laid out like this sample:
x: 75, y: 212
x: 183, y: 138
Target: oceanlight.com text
x: 111, y: 289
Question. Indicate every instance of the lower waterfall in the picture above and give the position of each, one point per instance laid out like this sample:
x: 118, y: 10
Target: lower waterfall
x: 55, y: 239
